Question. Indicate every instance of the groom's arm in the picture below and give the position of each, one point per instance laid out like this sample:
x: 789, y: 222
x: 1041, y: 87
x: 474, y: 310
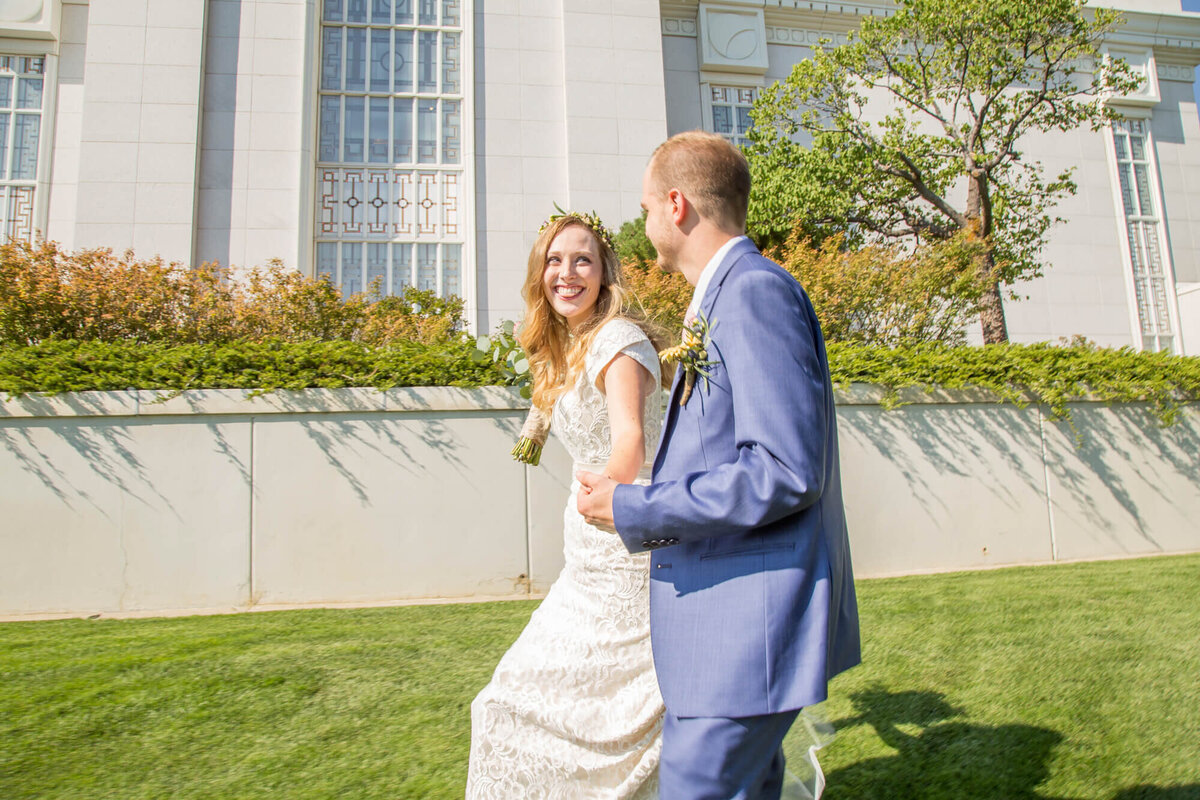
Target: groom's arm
x: 768, y: 348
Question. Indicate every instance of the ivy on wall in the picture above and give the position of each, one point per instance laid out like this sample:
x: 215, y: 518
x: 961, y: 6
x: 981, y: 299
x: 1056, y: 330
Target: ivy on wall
x: 71, y: 366
x: 1040, y: 373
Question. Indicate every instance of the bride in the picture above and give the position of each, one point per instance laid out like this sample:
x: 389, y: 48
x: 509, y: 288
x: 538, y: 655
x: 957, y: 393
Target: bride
x: 573, y: 709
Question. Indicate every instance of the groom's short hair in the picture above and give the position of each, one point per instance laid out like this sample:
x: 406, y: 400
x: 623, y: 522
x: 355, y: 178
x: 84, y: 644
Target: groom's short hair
x: 710, y: 171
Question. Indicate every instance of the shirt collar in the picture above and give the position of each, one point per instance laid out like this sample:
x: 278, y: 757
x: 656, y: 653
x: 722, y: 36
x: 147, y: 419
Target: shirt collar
x: 707, y: 273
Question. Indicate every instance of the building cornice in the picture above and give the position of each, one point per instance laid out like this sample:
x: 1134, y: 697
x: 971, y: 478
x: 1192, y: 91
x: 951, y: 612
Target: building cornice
x: 1174, y: 36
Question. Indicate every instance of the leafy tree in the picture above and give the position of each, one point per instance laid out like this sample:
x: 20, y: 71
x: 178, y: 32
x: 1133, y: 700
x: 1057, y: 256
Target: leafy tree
x: 632, y: 244
x: 961, y: 81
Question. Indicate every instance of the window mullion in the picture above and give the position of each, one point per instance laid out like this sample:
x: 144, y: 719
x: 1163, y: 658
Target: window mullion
x: 428, y: 245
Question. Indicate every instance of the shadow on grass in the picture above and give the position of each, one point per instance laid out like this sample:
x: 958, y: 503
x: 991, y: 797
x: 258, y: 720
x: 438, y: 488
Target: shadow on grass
x: 939, y: 758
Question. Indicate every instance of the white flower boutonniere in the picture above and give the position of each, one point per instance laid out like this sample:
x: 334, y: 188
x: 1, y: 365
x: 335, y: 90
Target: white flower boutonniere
x: 692, y: 354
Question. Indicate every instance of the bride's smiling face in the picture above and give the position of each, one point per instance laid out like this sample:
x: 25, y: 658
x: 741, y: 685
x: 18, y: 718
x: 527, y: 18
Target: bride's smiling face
x: 573, y: 274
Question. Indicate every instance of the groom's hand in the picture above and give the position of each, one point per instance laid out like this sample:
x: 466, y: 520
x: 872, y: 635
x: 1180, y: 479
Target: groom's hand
x: 595, y: 499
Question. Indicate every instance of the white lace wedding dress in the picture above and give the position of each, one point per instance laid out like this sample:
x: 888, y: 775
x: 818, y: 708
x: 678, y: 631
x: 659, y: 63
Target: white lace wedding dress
x: 573, y: 709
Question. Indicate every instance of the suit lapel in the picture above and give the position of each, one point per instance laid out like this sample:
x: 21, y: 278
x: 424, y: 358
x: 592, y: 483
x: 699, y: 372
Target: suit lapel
x: 714, y: 286
x: 706, y: 305
x: 669, y: 422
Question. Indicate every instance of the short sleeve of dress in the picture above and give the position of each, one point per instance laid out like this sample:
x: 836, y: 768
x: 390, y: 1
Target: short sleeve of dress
x: 620, y: 336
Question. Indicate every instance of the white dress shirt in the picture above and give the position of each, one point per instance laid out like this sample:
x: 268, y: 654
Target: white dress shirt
x: 706, y: 276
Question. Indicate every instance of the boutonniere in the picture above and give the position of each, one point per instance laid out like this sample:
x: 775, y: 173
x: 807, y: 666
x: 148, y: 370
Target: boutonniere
x: 692, y: 355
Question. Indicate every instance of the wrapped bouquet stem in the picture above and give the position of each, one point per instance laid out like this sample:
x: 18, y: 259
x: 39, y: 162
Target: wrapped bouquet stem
x: 528, y: 449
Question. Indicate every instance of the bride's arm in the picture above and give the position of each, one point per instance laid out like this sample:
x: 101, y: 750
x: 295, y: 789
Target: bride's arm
x: 625, y: 384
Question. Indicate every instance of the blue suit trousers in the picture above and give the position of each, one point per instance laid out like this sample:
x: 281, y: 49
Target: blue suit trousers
x: 722, y: 758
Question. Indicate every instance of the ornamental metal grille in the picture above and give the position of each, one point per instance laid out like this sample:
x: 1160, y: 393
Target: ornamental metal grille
x: 390, y: 149
x: 21, y: 85
x: 1135, y: 162
x: 731, y: 113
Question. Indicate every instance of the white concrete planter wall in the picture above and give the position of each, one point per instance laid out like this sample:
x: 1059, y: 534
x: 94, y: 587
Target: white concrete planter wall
x: 113, y: 502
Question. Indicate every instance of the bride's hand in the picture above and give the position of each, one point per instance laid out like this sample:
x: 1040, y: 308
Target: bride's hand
x: 594, y: 500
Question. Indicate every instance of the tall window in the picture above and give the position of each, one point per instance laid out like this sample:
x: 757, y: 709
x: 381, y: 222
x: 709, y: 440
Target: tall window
x: 390, y: 151
x: 1151, y: 278
x: 21, y: 86
x: 731, y: 112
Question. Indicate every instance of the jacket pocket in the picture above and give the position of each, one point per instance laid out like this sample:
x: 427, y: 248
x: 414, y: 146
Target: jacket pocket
x: 751, y: 550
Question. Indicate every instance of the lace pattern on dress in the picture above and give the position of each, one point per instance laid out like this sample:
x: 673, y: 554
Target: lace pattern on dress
x: 573, y: 710
x: 580, y: 417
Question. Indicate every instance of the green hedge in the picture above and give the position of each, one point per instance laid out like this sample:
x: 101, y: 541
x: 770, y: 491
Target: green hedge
x: 1042, y: 373
x: 69, y: 366
x: 1018, y: 373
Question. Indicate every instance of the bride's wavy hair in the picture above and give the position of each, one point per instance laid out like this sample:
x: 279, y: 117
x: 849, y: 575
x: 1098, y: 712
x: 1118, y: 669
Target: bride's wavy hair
x: 555, y: 355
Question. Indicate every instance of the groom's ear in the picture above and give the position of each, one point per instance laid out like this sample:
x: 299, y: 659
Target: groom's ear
x: 678, y: 205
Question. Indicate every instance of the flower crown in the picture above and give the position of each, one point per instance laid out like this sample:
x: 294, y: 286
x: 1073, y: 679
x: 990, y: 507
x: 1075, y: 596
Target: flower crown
x: 591, y: 219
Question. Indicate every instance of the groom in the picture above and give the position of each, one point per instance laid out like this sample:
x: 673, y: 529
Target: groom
x: 752, y: 606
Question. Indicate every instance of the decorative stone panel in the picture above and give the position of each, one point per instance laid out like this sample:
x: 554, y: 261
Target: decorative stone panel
x: 30, y: 19
x: 1176, y: 72
x: 672, y: 26
x: 732, y: 39
x: 802, y: 37
x: 1141, y: 60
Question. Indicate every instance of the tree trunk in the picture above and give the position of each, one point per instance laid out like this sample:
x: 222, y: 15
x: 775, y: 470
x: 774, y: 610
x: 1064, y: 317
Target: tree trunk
x: 991, y: 305
x: 991, y: 316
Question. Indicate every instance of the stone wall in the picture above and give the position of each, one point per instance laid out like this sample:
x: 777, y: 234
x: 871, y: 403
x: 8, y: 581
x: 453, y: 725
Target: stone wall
x: 214, y: 500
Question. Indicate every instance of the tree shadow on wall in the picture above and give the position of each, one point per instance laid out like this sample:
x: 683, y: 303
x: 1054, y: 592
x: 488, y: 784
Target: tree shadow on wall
x: 930, y: 443
x: 944, y: 759
x: 368, y: 431
x: 1122, y: 450
x: 107, y: 442
x: 1119, y: 453
x: 107, y: 449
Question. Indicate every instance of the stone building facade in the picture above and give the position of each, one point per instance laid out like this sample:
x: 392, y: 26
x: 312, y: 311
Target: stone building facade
x: 424, y: 141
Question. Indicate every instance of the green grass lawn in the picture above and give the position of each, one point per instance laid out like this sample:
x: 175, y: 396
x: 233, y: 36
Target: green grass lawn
x: 1072, y: 681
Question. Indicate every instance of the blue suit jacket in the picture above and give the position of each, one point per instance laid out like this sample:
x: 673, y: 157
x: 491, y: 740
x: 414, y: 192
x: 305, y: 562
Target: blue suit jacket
x: 752, y: 606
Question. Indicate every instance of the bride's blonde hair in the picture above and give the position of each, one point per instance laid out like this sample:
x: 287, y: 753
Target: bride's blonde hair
x: 555, y: 355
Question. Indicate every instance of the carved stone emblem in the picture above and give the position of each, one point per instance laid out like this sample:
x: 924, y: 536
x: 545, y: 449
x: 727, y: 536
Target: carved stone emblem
x: 20, y: 10
x: 732, y: 40
x: 732, y: 35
